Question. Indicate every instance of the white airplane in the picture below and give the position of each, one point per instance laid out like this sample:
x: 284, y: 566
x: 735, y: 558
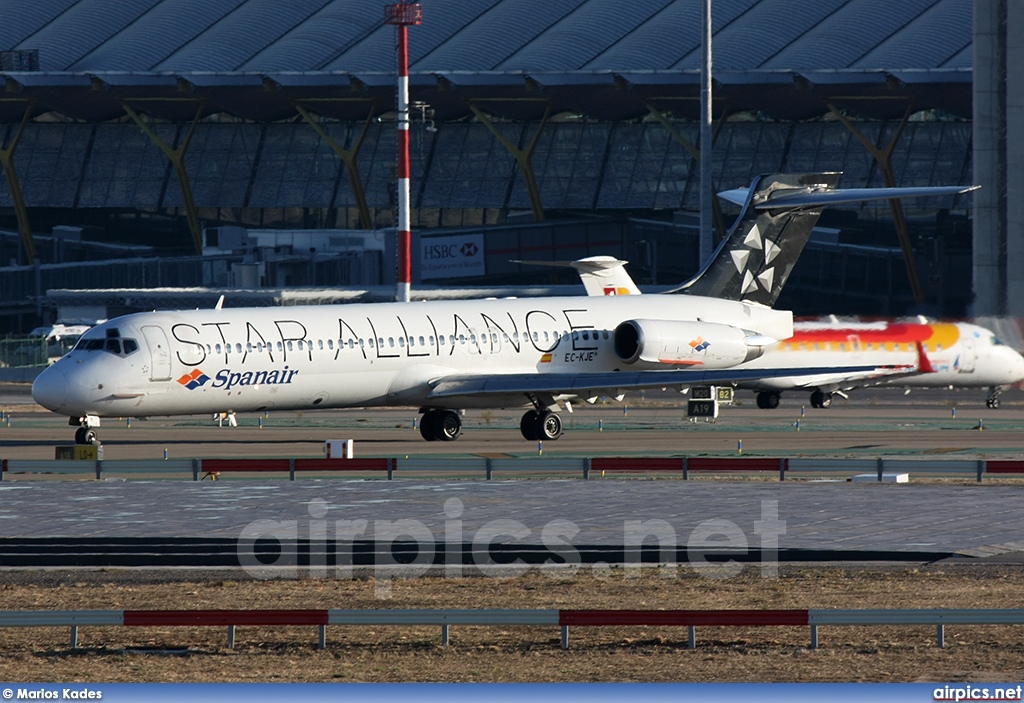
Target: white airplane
x: 960, y: 354
x: 449, y: 355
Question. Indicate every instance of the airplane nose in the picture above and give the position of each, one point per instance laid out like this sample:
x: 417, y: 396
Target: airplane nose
x: 50, y: 389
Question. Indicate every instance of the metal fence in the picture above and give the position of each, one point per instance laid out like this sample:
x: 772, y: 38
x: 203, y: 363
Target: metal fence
x: 877, y: 469
x: 33, y: 352
x: 691, y: 619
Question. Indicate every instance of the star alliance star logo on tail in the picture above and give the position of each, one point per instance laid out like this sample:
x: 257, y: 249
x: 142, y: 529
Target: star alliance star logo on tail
x: 700, y: 344
x: 193, y: 380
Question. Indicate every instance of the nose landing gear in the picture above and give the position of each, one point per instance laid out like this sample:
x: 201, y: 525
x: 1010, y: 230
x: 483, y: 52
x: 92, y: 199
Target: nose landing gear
x: 85, y: 434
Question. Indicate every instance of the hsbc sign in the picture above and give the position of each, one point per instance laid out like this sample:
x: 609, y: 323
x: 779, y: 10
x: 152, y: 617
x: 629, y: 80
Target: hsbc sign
x: 450, y: 257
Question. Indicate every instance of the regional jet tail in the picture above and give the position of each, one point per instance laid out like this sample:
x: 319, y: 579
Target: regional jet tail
x: 755, y: 260
x: 778, y: 213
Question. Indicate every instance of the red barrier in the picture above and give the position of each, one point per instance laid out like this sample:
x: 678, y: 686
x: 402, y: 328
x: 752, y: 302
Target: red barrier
x: 140, y: 618
x: 342, y: 464
x: 712, y: 618
x: 1004, y: 466
x: 3, y: 462
x: 213, y: 465
x: 612, y: 463
x: 735, y: 464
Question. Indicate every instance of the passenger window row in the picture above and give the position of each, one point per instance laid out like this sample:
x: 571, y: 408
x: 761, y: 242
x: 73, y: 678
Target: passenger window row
x: 115, y: 344
x: 425, y: 342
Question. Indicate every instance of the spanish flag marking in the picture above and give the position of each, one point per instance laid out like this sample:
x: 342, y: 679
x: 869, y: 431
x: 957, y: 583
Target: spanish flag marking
x: 545, y: 359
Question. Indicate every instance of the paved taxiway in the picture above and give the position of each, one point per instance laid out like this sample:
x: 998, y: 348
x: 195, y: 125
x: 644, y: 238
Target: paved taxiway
x: 818, y: 517
x: 873, y: 423
x: 857, y: 517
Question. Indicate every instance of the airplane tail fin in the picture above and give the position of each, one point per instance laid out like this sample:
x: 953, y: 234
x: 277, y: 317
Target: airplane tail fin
x: 778, y: 213
x: 605, y: 275
x: 601, y: 275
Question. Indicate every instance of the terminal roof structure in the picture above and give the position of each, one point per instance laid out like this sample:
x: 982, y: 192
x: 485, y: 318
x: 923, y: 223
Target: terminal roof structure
x: 517, y: 59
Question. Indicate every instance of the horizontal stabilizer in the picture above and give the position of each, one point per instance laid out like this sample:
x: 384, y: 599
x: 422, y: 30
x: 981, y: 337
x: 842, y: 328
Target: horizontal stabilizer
x: 815, y: 199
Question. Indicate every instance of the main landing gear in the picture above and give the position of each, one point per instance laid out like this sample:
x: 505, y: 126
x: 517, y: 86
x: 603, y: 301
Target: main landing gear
x: 768, y: 400
x: 541, y: 425
x: 821, y: 400
x: 444, y: 425
x: 993, y: 398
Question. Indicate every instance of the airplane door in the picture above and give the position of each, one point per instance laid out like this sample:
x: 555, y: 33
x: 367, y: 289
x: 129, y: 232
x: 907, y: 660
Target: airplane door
x: 159, y: 352
x: 968, y: 356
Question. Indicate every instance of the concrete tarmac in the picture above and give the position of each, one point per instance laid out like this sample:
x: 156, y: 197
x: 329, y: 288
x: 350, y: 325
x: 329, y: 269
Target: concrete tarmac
x: 872, y: 423
x: 953, y: 518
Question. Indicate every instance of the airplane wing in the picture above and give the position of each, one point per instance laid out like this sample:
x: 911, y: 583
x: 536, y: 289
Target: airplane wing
x: 592, y: 384
x: 839, y: 380
x: 844, y: 381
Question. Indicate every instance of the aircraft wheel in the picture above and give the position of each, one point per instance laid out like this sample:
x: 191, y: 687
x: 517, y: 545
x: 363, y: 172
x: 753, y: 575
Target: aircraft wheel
x: 993, y: 402
x: 767, y: 400
x: 528, y: 425
x: 86, y: 435
x: 549, y: 426
x: 449, y: 425
x: 816, y: 399
x: 428, y: 425
x: 826, y: 400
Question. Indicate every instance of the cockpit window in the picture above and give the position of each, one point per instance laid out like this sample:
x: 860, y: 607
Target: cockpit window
x: 997, y: 342
x: 111, y: 342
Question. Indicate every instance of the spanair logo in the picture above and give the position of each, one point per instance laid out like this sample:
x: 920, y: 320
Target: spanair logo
x: 193, y: 380
x: 699, y: 344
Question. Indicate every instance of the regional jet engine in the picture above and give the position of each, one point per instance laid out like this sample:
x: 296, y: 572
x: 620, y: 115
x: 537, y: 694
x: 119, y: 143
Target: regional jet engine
x: 707, y: 345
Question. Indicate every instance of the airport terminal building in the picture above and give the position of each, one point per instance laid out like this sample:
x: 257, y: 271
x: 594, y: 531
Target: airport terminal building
x: 544, y: 130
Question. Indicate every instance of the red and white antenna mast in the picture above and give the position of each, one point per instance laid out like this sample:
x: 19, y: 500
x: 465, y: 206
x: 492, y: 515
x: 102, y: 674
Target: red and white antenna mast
x: 402, y: 15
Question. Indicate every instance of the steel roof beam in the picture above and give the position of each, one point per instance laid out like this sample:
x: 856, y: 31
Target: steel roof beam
x: 883, y: 156
x: 7, y: 160
x: 176, y: 155
x: 522, y: 156
x: 348, y: 157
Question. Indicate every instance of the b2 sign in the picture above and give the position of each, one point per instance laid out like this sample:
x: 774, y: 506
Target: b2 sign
x: 451, y: 257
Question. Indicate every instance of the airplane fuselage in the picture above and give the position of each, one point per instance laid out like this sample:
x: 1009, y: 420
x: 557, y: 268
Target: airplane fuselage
x: 961, y: 355
x: 336, y: 356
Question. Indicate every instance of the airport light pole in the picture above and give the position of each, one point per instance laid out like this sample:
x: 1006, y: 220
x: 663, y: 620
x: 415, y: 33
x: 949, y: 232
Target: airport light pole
x: 707, y: 240
x: 402, y: 15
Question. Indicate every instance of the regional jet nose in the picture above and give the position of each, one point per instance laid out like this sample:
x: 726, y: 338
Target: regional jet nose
x: 50, y: 389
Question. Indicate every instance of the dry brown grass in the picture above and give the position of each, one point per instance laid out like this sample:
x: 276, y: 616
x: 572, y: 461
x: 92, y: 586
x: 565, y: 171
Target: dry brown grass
x: 520, y: 654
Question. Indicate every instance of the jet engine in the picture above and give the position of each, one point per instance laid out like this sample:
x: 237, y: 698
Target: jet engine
x: 708, y: 345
